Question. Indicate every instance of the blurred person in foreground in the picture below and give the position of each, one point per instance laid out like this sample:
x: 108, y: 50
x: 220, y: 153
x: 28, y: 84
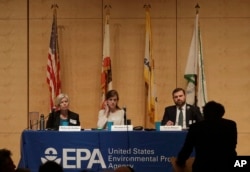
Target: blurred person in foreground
x: 124, y: 169
x: 62, y: 116
x: 50, y: 166
x: 214, y: 141
x: 6, y: 162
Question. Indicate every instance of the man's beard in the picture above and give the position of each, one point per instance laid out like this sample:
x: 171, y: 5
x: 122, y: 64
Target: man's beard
x: 179, y: 103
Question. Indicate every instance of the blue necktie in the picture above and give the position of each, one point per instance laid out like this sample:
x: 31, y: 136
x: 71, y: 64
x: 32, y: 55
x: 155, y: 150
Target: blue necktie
x: 180, y: 121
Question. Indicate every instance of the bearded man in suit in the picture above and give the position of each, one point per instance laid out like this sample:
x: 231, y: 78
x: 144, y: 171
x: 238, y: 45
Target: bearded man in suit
x: 181, y: 113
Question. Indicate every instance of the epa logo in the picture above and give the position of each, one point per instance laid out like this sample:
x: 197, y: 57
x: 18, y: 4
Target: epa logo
x: 72, y: 158
x: 50, y: 154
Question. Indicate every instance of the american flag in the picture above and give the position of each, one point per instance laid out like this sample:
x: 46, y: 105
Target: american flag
x: 106, y: 75
x: 53, y: 66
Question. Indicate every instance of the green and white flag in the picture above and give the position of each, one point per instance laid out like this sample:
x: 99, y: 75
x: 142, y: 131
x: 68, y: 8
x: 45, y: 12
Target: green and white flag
x: 196, y: 92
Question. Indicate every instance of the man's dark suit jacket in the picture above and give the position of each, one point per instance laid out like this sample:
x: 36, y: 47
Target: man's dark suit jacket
x: 214, y: 142
x: 193, y: 114
x: 54, y: 120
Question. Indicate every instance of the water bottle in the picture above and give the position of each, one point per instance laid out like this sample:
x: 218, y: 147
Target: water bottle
x: 42, y: 122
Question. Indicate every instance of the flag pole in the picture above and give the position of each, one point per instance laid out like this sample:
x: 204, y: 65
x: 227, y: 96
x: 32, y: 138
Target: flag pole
x: 197, y: 7
x: 107, y: 8
x: 53, y: 64
x: 106, y: 73
x: 202, y: 90
x: 150, y: 103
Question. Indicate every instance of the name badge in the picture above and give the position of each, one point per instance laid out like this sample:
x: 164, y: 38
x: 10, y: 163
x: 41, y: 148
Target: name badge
x: 192, y: 122
x: 72, y: 121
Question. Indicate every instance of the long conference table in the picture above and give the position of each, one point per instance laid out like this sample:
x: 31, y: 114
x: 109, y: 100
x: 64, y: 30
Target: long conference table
x: 101, y: 150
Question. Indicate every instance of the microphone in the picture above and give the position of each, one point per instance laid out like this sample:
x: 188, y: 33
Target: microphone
x: 125, y: 115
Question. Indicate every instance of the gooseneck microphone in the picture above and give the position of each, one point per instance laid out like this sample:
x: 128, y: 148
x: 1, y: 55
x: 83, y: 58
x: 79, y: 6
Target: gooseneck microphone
x: 125, y: 115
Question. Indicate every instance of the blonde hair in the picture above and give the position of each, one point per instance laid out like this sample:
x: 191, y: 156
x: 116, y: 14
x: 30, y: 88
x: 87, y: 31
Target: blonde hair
x: 60, y: 97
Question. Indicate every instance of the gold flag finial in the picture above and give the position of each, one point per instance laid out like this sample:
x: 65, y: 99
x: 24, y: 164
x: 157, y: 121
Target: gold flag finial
x: 54, y: 6
x: 107, y: 7
x: 147, y: 6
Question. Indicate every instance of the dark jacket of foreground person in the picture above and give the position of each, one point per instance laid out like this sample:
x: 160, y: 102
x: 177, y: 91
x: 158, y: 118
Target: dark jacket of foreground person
x: 214, y: 141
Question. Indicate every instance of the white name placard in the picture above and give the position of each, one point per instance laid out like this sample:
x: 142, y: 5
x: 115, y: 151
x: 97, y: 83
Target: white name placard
x: 69, y: 128
x: 171, y: 128
x: 122, y: 128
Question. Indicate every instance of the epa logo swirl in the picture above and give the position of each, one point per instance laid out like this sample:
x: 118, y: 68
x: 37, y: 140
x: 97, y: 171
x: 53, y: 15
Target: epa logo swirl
x: 50, y: 154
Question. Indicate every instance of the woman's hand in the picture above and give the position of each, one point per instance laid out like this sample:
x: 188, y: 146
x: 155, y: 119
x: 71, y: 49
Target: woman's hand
x: 106, y: 107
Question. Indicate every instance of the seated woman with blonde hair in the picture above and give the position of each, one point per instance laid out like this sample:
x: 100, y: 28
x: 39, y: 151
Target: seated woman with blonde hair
x: 62, y: 116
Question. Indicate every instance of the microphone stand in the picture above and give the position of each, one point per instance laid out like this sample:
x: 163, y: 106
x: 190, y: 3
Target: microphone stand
x: 125, y: 116
x: 125, y: 123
